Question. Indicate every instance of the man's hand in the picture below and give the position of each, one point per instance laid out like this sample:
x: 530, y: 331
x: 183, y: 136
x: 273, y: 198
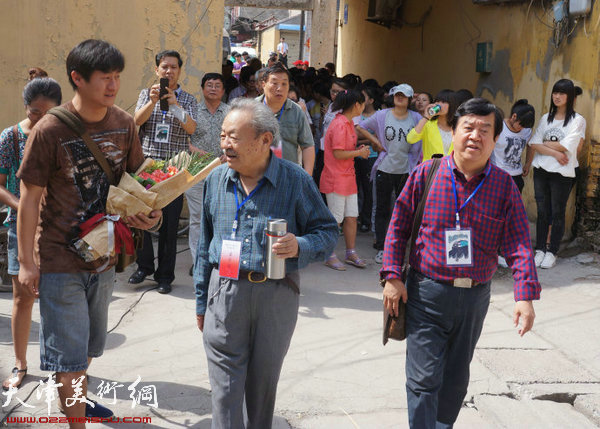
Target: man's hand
x: 524, y: 312
x: 154, y: 93
x: 200, y: 322
x: 170, y: 96
x: 141, y: 221
x: 29, y: 278
x: 562, y: 158
x: 286, y: 246
x: 393, y: 291
x: 526, y: 168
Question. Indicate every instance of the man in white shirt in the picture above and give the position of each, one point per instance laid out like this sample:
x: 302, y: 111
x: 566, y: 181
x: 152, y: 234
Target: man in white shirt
x: 282, y: 50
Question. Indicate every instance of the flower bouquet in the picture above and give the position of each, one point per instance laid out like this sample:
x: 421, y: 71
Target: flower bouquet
x: 153, y: 186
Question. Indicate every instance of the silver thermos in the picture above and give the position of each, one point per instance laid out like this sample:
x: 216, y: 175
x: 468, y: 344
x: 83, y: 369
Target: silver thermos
x: 274, y: 266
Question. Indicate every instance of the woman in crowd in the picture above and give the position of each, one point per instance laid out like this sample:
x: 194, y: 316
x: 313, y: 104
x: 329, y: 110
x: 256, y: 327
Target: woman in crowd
x: 364, y: 166
x: 516, y: 132
x: 421, y: 101
x: 435, y: 131
x: 338, y: 180
x: 247, y: 87
x: 39, y: 95
x: 555, y: 144
x: 396, y: 159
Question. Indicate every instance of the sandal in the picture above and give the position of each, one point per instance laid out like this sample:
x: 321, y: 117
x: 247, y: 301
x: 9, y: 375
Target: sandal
x: 335, y: 263
x: 354, y: 259
x: 14, y: 373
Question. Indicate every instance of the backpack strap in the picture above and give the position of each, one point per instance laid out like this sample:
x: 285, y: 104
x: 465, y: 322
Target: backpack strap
x: 74, y: 123
x: 15, y: 131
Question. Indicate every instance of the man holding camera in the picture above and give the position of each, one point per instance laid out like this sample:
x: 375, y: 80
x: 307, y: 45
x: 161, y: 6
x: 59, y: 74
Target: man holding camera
x: 164, y: 131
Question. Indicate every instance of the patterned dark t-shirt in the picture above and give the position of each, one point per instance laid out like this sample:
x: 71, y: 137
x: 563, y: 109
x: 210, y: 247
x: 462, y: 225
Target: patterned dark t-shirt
x: 57, y: 159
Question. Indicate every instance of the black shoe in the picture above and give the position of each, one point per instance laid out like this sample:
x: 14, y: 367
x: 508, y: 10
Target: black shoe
x: 164, y: 288
x: 97, y: 410
x: 192, y: 271
x: 137, y: 277
x: 365, y: 228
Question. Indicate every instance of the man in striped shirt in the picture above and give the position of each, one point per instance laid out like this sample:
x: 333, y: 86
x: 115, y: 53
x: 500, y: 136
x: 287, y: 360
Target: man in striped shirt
x: 472, y: 210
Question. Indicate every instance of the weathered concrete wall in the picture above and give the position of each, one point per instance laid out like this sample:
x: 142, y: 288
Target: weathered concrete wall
x: 268, y: 42
x: 41, y: 33
x: 442, y: 54
x: 273, y: 4
x: 323, y: 31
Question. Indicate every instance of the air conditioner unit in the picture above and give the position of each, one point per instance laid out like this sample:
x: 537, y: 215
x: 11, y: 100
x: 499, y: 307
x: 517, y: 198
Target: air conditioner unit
x: 384, y: 12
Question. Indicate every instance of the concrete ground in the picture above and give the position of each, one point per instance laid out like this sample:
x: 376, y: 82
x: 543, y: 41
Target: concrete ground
x: 337, y: 373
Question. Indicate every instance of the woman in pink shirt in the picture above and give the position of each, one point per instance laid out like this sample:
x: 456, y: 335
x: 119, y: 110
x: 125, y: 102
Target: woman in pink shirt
x: 338, y: 180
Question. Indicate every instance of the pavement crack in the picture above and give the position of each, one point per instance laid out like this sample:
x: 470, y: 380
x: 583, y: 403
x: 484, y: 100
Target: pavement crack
x: 559, y: 397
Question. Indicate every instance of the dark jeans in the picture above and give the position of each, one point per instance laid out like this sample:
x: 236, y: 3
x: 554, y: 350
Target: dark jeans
x: 363, y: 169
x: 443, y: 325
x: 167, y: 245
x: 551, y: 194
x: 386, y: 185
x: 519, y: 182
x: 283, y: 60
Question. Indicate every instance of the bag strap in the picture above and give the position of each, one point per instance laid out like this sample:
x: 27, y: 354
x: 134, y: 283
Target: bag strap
x: 418, y: 218
x: 76, y: 125
x: 16, y: 143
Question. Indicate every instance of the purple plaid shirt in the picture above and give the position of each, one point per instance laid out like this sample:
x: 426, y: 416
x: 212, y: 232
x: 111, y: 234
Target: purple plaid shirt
x: 495, y: 214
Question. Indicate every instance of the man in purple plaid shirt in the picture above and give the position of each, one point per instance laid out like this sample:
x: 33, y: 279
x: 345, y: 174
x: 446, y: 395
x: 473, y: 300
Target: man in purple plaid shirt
x: 472, y: 210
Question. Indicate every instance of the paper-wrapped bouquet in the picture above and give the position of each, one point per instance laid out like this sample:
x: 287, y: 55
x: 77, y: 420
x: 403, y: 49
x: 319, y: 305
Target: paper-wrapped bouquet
x: 152, y: 187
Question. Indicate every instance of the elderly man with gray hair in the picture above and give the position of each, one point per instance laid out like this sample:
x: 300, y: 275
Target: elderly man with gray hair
x: 246, y: 318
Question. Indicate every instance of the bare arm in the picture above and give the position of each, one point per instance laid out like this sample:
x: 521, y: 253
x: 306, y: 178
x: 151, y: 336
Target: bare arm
x: 362, y: 151
x: 372, y: 139
x: 555, y: 145
x: 308, y: 159
x: 561, y: 157
x: 420, y: 125
x: 528, y: 160
x: 7, y: 197
x: 27, y: 221
x: 141, y: 116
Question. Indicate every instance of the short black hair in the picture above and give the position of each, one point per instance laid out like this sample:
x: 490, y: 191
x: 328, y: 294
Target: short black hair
x: 212, y: 76
x: 168, y: 53
x: 42, y: 87
x: 525, y: 113
x: 91, y: 55
x: 479, y: 107
x: 274, y: 69
x: 346, y: 99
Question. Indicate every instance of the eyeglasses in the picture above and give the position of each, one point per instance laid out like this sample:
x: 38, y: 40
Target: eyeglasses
x: 334, y: 92
x: 214, y: 86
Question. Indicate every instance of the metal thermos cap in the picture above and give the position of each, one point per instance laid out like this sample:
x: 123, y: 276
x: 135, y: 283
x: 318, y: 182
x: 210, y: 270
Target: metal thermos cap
x: 277, y: 226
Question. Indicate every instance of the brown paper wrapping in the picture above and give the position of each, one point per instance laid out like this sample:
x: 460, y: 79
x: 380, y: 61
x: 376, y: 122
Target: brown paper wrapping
x: 130, y: 197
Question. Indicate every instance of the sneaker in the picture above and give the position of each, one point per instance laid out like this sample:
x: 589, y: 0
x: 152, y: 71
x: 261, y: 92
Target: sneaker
x: 539, y: 257
x: 97, y: 410
x: 379, y: 257
x: 549, y: 260
x: 502, y: 262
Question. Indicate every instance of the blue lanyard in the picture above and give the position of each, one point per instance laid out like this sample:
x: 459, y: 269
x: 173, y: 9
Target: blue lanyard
x: 456, y: 195
x: 239, y: 206
x: 280, y: 112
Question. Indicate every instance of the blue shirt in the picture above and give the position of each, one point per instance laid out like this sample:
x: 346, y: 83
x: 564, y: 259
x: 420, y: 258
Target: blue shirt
x: 288, y: 193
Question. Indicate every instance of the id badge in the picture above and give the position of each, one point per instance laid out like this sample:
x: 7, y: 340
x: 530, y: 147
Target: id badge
x: 278, y: 149
x: 229, y: 265
x: 459, y: 248
x: 161, y: 134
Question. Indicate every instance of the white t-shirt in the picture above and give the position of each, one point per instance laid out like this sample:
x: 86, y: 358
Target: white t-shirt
x: 509, y: 148
x: 446, y: 140
x: 568, y: 137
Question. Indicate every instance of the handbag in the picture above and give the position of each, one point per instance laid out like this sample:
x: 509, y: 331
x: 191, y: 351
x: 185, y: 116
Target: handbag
x: 73, y: 122
x: 394, y: 327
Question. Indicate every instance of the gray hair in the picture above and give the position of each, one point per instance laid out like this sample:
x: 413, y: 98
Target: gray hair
x: 260, y: 74
x: 262, y: 120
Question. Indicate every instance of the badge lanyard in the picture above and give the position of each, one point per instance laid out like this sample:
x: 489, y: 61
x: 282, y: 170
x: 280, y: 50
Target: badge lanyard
x: 239, y: 206
x: 456, y: 196
x: 278, y: 116
x: 164, y: 112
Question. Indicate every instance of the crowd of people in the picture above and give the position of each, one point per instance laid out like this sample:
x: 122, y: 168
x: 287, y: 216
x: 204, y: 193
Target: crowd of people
x: 330, y: 155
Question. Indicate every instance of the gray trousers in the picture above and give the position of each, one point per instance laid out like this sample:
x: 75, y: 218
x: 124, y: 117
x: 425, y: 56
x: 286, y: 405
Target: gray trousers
x: 247, y: 332
x: 194, y: 201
